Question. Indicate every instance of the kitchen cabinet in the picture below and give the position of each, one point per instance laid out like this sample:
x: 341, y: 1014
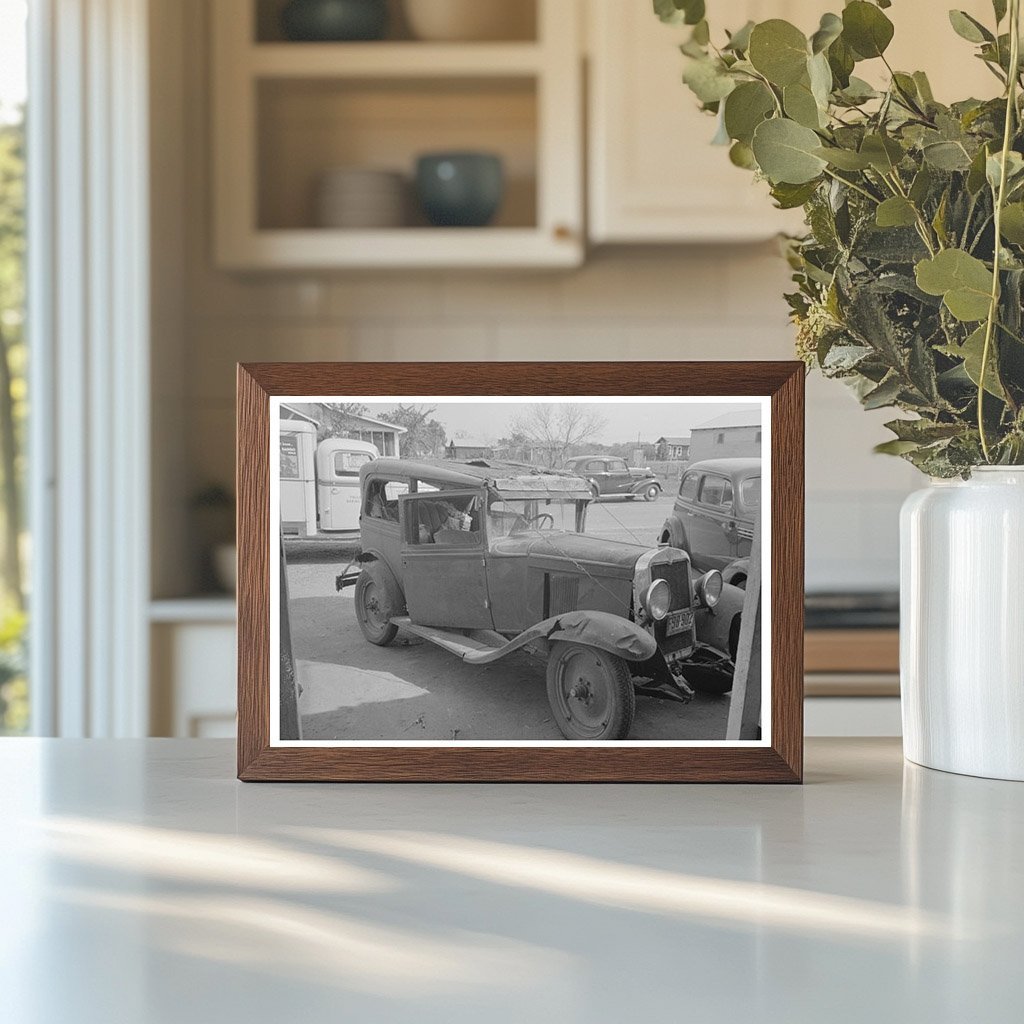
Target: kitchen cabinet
x: 653, y: 175
x: 287, y: 113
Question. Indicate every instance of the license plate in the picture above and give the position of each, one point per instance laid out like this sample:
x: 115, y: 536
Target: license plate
x: 679, y: 622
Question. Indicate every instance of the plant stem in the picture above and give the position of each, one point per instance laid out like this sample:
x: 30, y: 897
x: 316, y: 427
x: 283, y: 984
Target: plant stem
x: 993, y: 309
x: 854, y: 186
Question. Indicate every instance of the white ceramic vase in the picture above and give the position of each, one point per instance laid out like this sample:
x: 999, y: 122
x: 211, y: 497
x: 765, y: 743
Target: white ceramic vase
x: 962, y: 624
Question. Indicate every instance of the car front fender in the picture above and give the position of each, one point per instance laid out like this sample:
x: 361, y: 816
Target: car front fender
x: 715, y: 625
x: 608, y: 632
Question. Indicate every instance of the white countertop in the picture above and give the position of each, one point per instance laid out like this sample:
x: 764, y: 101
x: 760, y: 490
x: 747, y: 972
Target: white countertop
x: 142, y: 884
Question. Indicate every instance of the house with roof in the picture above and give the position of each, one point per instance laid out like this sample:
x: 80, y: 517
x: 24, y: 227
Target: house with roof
x: 462, y: 449
x: 729, y: 436
x: 672, y: 449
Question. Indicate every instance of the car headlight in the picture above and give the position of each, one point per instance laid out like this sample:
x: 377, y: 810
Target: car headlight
x: 709, y: 588
x: 658, y: 599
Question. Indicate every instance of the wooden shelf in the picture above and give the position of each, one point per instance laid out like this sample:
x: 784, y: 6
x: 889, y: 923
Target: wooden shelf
x: 401, y: 247
x: 852, y: 650
x: 393, y: 60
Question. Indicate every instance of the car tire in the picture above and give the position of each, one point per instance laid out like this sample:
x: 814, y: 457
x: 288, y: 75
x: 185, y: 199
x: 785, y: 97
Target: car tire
x: 374, y: 609
x: 652, y: 493
x: 590, y: 692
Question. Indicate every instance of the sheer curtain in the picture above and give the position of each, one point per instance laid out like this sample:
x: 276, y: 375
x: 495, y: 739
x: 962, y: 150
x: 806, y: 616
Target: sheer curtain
x: 88, y: 300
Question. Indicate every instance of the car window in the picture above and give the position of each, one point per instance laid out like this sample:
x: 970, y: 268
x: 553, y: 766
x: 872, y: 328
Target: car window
x: 447, y: 521
x: 382, y: 499
x: 688, y: 488
x: 289, y: 457
x: 716, y: 491
x: 347, y: 464
x: 616, y: 466
x: 750, y: 492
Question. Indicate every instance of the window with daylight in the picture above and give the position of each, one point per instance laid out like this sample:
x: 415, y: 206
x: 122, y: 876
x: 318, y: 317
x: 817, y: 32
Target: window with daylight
x: 14, y: 547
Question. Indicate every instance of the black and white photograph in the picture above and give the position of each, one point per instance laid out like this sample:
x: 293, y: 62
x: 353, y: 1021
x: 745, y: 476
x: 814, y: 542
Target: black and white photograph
x: 528, y: 572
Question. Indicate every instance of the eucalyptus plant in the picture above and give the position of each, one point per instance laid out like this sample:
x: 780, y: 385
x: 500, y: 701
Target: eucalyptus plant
x: 909, y: 280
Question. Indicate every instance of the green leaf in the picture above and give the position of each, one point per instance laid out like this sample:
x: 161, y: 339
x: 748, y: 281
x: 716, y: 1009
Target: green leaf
x: 971, y: 352
x: 745, y: 108
x: 844, y: 159
x: 801, y: 106
x: 708, y: 80
x: 895, y: 447
x: 742, y: 155
x: 675, y: 12
x: 841, y: 60
x: 1012, y: 225
x: 739, y: 41
x: 785, y: 152
x: 789, y: 197
x: 947, y: 156
x: 866, y: 29
x: 969, y: 28
x: 830, y: 29
x: 896, y: 212
x: 883, y: 153
x: 963, y: 281
x: 778, y: 50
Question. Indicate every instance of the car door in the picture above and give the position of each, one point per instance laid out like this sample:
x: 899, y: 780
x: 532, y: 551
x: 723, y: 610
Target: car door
x: 444, y: 563
x: 596, y: 471
x: 711, y: 526
x: 619, y: 479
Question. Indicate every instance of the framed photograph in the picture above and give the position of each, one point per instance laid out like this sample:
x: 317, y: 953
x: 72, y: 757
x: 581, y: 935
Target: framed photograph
x: 513, y: 572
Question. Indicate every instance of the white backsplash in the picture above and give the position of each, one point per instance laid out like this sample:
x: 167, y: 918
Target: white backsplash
x: 702, y: 303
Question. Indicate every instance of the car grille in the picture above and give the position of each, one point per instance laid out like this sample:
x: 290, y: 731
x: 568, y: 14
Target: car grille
x: 677, y: 575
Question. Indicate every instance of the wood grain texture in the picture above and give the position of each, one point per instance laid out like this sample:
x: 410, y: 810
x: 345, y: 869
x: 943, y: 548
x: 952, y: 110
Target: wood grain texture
x: 782, y: 762
x: 852, y: 650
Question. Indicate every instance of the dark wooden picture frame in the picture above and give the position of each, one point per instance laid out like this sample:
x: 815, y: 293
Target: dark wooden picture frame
x: 781, y: 761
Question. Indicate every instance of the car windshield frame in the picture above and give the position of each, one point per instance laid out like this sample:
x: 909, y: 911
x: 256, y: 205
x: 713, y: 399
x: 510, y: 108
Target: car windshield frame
x: 536, y: 505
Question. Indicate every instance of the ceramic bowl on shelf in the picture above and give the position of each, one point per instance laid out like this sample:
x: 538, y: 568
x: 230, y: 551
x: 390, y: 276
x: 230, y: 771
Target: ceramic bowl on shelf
x: 361, y: 198
x: 460, y: 189
x: 470, y: 20
x: 332, y: 21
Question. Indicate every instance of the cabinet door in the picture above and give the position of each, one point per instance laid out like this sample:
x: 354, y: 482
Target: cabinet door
x: 654, y: 175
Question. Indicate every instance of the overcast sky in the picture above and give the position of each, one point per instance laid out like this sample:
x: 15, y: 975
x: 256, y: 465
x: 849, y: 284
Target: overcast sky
x: 623, y: 421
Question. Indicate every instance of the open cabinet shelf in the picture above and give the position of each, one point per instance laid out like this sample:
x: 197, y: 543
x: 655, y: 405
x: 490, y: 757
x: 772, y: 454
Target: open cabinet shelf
x: 286, y: 114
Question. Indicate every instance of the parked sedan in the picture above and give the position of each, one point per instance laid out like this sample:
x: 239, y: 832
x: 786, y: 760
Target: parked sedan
x: 713, y: 517
x: 607, y: 475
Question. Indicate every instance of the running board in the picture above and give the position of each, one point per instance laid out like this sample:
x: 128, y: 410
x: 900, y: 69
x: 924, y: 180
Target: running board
x: 469, y: 648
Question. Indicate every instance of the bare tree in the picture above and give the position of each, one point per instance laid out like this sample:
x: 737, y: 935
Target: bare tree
x: 555, y: 429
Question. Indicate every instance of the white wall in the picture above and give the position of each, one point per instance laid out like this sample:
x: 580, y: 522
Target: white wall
x: 655, y: 303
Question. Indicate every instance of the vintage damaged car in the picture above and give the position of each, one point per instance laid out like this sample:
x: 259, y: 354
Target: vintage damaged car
x: 714, y: 513
x: 607, y: 475
x: 484, y: 558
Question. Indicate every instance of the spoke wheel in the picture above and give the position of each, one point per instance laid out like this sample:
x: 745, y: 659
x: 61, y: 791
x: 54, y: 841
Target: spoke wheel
x: 590, y: 692
x: 373, y: 610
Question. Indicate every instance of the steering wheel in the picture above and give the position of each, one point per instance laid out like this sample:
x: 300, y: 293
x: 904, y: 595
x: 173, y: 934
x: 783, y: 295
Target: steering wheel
x: 538, y: 520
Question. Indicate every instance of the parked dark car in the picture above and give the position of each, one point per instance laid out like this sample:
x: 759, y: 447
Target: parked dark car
x: 608, y: 475
x: 714, y: 513
x: 485, y: 558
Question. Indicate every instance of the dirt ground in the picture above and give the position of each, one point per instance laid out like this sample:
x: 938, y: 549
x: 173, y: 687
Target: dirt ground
x: 413, y: 690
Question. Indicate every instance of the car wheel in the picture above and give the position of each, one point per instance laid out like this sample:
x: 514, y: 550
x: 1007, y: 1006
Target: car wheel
x: 590, y: 692
x: 651, y: 493
x: 373, y: 610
